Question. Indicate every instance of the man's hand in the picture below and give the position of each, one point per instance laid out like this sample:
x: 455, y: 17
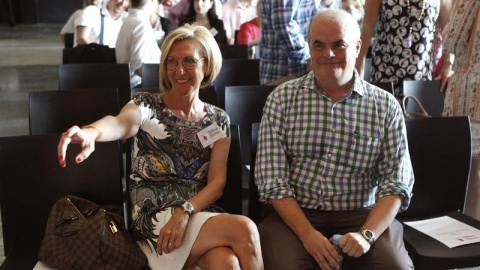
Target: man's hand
x: 353, y: 244
x: 321, y: 250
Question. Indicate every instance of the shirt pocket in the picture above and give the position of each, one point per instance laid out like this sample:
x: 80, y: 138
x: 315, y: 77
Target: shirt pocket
x: 363, y: 150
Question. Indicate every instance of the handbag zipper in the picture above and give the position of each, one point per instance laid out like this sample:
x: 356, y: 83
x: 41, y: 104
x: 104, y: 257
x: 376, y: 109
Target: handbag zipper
x: 68, y: 199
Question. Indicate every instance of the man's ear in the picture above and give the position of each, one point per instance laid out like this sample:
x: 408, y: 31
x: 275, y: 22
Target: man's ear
x: 358, y: 46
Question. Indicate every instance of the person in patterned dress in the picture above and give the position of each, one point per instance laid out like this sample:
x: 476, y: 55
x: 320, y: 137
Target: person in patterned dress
x: 462, y: 97
x: 402, y: 48
x: 179, y: 159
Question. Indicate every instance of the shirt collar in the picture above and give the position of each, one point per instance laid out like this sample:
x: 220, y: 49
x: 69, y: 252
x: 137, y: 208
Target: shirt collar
x: 357, y: 90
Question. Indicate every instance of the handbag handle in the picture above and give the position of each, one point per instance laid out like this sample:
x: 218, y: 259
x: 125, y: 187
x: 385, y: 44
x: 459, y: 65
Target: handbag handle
x: 60, y: 223
x: 422, y: 113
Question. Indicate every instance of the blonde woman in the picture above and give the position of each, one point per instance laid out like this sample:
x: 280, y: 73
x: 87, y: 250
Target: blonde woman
x: 176, y: 175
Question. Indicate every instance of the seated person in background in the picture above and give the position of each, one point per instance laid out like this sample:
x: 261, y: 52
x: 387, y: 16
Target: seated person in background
x: 333, y: 159
x: 202, y: 12
x: 250, y: 33
x: 71, y: 25
x: 136, y: 43
x: 176, y: 177
x: 89, y: 27
x: 182, y: 7
x: 161, y: 25
x: 236, y: 12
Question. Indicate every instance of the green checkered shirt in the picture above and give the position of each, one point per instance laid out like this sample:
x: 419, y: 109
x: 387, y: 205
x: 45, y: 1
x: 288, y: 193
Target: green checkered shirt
x: 329, y: 155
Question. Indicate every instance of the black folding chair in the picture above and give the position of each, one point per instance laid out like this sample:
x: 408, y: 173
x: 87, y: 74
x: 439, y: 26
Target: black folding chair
x: 441, y: 151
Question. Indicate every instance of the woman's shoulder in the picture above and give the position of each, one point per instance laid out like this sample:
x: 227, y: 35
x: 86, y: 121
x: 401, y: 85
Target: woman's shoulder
x: 218, y: 114
x: 152, y: 100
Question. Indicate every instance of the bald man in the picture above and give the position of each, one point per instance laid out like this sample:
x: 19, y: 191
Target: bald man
x: 333, y: 159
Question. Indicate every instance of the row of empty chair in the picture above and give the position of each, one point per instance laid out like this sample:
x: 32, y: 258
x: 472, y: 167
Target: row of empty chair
x: 95, y: 53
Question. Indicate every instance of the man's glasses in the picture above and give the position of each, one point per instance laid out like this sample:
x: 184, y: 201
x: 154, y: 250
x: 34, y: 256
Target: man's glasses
x: 188, y: 63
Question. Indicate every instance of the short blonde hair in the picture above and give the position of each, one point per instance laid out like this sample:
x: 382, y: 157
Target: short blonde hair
x: 208, y: 47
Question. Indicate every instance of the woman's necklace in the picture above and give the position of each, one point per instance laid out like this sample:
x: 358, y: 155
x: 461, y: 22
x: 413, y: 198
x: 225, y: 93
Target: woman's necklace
x: 408, y: 42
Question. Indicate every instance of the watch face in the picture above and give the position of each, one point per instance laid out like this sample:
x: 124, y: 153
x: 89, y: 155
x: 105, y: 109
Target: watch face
x: 188, y: 207
x: 368, y: 234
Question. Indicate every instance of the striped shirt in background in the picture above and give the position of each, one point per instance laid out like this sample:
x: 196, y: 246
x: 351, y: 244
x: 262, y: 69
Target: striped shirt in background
x: 284, y: 46
x: 332, y: 156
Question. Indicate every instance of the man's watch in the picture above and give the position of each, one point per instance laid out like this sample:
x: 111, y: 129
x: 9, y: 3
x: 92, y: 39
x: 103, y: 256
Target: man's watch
x: 368, y: 235
x: 188, y: 207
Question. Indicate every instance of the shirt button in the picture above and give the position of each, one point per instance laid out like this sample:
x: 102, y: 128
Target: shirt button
x: 333, y: 130
x: 329, y: 155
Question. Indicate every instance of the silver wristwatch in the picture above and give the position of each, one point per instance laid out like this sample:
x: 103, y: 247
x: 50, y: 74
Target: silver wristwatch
x: 368, y: 235
x: 188, y: 207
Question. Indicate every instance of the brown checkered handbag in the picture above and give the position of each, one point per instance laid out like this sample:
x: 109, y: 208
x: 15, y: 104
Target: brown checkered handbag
x: 82, y: 235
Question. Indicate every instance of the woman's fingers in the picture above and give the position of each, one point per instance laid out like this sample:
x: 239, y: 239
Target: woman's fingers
x: 75, y: 135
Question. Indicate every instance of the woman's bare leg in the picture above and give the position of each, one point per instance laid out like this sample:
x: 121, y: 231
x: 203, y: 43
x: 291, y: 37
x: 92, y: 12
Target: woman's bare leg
x: 219, y: 258
x: 235, y: 232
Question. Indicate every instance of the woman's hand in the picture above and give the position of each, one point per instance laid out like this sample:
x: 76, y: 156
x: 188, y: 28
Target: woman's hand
x: 171, y: 235
x: 86, y: 137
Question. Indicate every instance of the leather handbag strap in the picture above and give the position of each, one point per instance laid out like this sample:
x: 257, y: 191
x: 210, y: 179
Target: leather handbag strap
x: 422, y: 113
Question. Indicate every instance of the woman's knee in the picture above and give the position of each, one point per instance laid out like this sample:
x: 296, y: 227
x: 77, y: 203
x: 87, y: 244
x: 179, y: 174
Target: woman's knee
x: 244, y: 229
x: 221, y: 258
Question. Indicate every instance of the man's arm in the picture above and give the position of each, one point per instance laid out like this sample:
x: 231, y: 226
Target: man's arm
x: 83, y: 34
x: 379, y: 219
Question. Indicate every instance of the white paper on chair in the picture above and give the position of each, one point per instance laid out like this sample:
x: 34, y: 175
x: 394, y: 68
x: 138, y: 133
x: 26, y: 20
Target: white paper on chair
x: 447, y: 230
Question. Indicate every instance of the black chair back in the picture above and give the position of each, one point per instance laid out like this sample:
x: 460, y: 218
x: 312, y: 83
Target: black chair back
x: 207, y: 94
x: 428, y: 93
x: 236, y: 72
x: 68, y: 40
x: 84, y: 76
x: 254, y: 206
x: 231, y: 199
x: 56, y: 111
x: 236, y: 51
x: 244, y: 105
x: 441, y: 164
x: 150, y: 75
x: 92, y: 53
x: 387, y: 86
x: 32, y: 181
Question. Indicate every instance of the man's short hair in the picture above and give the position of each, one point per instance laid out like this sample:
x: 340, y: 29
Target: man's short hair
x: 337, y: 15
x: 208, y: 48
x: 138, y: 3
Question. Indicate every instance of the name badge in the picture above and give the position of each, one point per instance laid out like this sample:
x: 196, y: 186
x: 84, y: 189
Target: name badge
x: 213, y: 31
x: 210, y: 134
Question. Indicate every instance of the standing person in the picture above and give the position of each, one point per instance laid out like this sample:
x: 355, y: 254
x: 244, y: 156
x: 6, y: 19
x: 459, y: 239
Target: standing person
x: 71, y: 24
x: 402, y: 49
x: 333, y: 159
x: 89, y: 28
x: 162, y: 26
x: 202, y: 12
x: 136, y: 43
x: 236, y: 12
x: 283, y: 46
x: 462, y: 97
x: 176, y: 177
